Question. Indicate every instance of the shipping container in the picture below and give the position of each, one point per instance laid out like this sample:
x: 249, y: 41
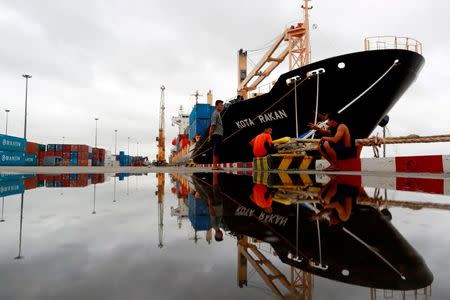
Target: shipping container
x: 74, y: 162
x: 52, y: 161
x: 30, y: 159
x: 41, y: 147
x: 32, y: 148
x: 201, y: 111
x: 199, y: 127
x: 12, y: 143
x: 9, y: 158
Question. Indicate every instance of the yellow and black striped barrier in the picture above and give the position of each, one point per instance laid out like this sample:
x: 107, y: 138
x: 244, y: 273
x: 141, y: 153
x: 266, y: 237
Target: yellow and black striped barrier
x: 283, y: 180
x: 283, y: 162
x: 190, y: 164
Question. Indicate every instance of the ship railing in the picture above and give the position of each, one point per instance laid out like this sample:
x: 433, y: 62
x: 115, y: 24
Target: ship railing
x: 260, y: 90
x: 392, y: 42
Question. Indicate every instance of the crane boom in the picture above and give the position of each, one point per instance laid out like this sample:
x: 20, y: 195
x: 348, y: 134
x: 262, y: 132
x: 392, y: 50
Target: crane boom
x: 292, y: 42
x: 161, y: 157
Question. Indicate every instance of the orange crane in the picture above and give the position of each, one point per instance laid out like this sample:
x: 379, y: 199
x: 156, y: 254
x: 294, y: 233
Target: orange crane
x: 293, y: 43
x: 161, y: 157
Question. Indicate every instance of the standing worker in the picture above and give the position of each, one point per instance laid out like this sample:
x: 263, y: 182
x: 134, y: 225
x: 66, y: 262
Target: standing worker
x: 262, y: 144
x: 216, y: 134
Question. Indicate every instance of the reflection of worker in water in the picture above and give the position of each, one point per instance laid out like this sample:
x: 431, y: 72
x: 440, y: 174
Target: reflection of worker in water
x: 338, y: 200
x: 262, y: 197
x: 215, y: 205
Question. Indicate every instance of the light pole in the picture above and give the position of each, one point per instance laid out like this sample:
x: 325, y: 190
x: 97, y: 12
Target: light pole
x: 64, y: 139
x: 95, y: 194
x: 3, y: 207
x: 115, y: 141
x: 26, y: 76
x: 96, y: 120
x: 6, y: 127
x: 128, y: 145
x: 19, y: 255
x: 137, y: 148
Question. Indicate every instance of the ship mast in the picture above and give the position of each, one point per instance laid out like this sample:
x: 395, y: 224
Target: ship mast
x: 293, y: 42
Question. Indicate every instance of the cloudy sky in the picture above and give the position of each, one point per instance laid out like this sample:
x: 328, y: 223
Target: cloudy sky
x: 107, y: 59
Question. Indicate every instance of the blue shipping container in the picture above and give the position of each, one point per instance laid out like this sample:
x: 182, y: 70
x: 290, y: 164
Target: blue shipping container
x: 199, y: 127
x: 30, y: 159
x: 200, y: 111
x: 73, y: 155
x: 73, y: 177
x: 8, y: 158
x: 73, y: 161
x: 8, y: 188
x: 12, y: 143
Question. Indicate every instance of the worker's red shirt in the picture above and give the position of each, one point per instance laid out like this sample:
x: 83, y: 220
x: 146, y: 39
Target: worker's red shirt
x: 258, y: 144
x: 258, y: 196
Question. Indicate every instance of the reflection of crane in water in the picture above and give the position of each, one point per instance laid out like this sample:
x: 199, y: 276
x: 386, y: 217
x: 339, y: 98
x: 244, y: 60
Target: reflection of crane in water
x: 160, y: 194
x: 298, y: 287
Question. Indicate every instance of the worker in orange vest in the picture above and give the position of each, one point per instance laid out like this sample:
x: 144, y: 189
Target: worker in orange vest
x: 262, y: 143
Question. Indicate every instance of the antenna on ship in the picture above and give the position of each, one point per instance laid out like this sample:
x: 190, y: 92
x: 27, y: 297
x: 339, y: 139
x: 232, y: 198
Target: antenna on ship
x: 196, y: 95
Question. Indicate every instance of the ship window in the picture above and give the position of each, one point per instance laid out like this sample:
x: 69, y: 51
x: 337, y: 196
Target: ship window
x: 341, y: 65
x: 345, y: 272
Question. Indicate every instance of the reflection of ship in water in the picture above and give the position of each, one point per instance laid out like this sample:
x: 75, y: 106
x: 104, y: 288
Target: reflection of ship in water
x: 192, y: 206
x: 315, y: 229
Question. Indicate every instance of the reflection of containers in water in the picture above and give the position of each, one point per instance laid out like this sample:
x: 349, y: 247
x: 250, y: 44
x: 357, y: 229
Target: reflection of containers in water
x: 198, y: 213
x: 11, y: 187
x: 14, y: 177
x: 12, y: 143
x: 30, y: 183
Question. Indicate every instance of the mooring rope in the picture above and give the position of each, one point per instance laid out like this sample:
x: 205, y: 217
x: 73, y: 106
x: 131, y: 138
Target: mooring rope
x: 317, y: 99
x: 268, y: 108
x: 297, y: 145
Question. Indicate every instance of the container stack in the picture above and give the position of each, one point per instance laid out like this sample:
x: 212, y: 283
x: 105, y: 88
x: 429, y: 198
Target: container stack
x: 31, y: 154
x: 124, y: 160
x: 12, y: 150
x: 200, y: 119
x: 98, y: 157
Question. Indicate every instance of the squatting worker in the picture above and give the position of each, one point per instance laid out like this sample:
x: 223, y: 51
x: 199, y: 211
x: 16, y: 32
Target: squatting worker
x: 216, y: 134
x: 262, y: 143
x: 338, y: 144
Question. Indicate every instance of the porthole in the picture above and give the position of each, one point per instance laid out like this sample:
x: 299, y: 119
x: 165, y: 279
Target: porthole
x: 345, y: 272
x: 341, y: 65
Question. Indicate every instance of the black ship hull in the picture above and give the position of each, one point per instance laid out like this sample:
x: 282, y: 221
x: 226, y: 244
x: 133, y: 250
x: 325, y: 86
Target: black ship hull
x: 347, y: 251
x: 377, y: 79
